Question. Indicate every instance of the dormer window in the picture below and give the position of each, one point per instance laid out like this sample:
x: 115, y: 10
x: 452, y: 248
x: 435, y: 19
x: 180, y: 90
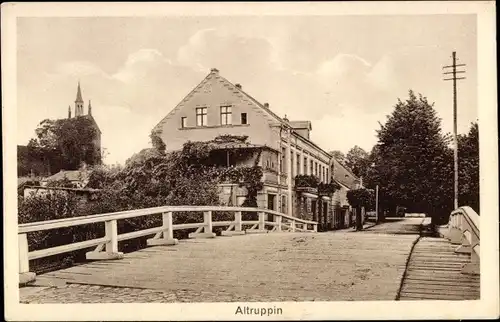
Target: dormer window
x: 225, y: 115
x: 201, y: 116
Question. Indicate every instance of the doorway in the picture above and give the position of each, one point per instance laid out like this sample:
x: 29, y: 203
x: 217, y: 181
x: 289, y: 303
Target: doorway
x: 271, y: 201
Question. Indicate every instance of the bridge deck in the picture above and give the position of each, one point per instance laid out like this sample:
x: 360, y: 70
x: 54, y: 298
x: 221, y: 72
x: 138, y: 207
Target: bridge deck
x: 434, y: 273
x: 332, y: 266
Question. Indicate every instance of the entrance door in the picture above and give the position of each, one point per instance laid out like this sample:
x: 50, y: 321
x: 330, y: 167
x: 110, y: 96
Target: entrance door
x: 313, y: 210
x: 271, y: 201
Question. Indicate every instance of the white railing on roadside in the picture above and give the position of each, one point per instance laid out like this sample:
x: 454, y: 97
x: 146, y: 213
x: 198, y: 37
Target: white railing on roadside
x: 107, y: 246
x: 463, y: 230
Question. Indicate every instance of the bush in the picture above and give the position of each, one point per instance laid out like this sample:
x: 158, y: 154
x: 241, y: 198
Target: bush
x: 150, y: 178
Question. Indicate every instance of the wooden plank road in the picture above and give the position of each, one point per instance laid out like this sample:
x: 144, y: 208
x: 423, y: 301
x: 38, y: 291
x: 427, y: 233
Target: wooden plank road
x: 434, y: 273
x: 332, y: 266
x: 341, y: 265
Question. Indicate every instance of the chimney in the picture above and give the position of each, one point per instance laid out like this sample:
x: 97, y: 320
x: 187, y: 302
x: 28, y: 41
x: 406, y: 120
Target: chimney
x: 214, y: 71
x: 238, y: 86
x: 266, y: 105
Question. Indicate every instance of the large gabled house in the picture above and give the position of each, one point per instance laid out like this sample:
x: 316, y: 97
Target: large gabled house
x: 218, y: 107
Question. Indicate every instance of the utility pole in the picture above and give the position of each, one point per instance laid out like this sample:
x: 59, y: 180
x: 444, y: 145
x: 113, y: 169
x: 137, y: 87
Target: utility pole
x: 377, y: 220
x: 454, y: 78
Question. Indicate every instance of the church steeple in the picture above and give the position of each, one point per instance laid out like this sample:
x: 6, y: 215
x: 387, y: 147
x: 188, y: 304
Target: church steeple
x: 79, y: 102
x: 90, y: 108
x: 69, y: 111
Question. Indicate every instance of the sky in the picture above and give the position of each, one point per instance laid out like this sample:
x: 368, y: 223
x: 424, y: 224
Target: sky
x: 343, y: 73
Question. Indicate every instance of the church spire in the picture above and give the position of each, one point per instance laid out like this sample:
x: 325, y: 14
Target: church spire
x: 79, y: 102
x: 90, y: 108
x: 69, y: 111
x: 79, y: 94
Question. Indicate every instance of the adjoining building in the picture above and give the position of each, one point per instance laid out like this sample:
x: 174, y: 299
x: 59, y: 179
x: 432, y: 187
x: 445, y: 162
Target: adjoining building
x: 293, y: 165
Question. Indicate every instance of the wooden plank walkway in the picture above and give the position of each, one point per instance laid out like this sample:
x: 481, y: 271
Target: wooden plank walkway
x: 341, y: 265
x: 332, y: 266
x: 434, y: 273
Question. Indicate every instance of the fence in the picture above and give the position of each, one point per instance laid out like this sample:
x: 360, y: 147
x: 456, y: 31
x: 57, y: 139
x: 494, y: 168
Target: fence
x: 107, y: 246
x: 463, y: 230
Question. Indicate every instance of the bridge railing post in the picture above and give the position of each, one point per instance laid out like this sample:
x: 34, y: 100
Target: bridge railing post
x: 207, y: 220
x: 167, y: 232
x: 472, y: 267
x: 206, y: 227
x: 112, y: 236
x: 262, y: 222
x: 111, y: 246
x: 237, y: 221
x: 25, y: 276
x: 315, y: 228
x: 466, y: 246
x: 292, y: 225
x: 454, y: 233
x: 278, y: 222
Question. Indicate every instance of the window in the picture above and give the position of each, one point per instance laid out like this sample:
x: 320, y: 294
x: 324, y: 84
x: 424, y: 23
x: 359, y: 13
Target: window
x: 305, y: 165
x: 225, y: 115
x: 327, y: 179
x: 244, y: 118
x: 282, y: 163
x: 311, y: 162
x: 291, y: 158
x: 183, y: 122
x: 201, y: 116
x: 298, y: 164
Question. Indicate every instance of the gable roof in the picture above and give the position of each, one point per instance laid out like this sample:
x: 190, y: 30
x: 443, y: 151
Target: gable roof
x: 71, y: 175
x: 215, y: 73
x: 343, y: 175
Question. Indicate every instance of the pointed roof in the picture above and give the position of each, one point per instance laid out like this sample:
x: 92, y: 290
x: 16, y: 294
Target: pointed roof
x: 79, y: 94
x: 214, y: 73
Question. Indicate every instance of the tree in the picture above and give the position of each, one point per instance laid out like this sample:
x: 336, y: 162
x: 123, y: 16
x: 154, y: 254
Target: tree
x: 468, y: 168
x: 412, y: 163
x: 65, y: 144
x: 339, y: 156
x: 358, y: 161
x: 157, y: 142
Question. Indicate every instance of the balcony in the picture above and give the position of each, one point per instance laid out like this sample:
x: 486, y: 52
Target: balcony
x: 306, y: 184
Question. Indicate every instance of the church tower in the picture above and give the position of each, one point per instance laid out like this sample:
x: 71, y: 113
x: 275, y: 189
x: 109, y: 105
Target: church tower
x: 79, y: 102
x: 90, y: 108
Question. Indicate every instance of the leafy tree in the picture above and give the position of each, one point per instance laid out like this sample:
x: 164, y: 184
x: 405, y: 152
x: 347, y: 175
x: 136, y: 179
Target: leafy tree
x: 157, y: 142
x: 412, y: 163
x: 65, y: 144
x: 468, y: 168
x: 339, y: 156
x: 358, y: 161
x: 361, y: 198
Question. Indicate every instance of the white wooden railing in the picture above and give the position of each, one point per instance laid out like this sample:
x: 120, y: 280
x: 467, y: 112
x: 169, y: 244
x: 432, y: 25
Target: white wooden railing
x: 463, y: 230
x: 107, y: 246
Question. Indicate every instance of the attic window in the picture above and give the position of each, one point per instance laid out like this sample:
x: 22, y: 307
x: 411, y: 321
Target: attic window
x: 225, y: 115
x: 183, y: 122
x: 244, y: 118
x: 201, y: 116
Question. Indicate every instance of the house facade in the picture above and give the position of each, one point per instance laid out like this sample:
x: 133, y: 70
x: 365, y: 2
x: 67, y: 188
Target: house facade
x: 218, y: 107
